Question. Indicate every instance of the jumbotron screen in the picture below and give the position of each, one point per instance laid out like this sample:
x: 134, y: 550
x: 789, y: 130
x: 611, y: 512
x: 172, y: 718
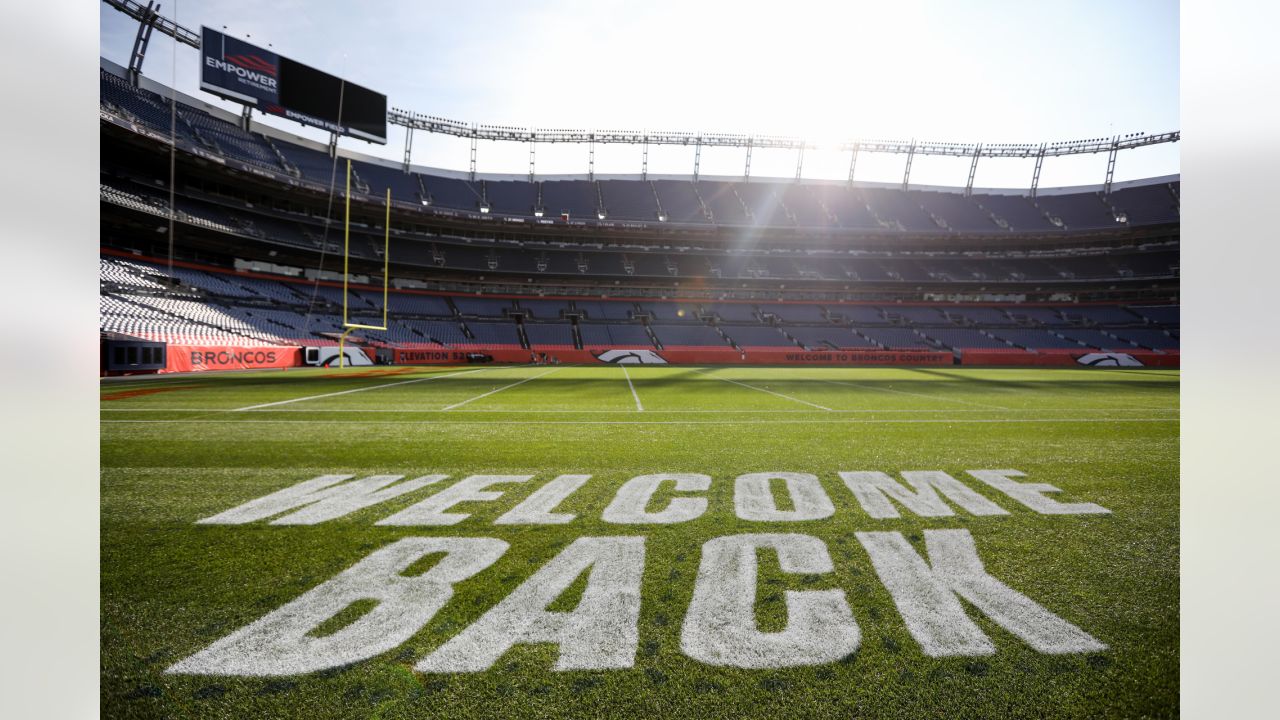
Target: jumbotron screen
x: 236, y: 70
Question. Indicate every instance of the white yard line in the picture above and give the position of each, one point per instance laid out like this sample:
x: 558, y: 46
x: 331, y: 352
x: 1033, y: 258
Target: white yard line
x: 504, y: 387
x: 778, y: 394
x: 356, y: 390
x: 627, y: 375
x: 824, y: 420
x: 920, y: 395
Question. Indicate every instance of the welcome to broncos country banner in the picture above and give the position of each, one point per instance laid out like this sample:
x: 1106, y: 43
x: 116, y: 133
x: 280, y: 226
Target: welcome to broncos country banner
x: 670, y: 356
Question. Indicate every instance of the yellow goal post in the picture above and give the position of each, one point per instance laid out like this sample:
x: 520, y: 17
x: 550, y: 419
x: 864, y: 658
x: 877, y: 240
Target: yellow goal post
x: 347, y: 325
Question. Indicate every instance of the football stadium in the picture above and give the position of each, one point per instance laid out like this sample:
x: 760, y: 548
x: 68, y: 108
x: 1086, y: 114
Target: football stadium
x: 381, y: 438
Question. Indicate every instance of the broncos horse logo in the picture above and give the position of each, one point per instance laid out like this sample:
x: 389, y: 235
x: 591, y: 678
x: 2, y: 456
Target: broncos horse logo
x: 1109, y: 360
x: 630, y: 357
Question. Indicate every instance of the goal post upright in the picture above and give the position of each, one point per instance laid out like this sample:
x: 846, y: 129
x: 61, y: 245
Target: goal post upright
x: 386, y: 258
x: 346, y: 247
x: 347, y: 325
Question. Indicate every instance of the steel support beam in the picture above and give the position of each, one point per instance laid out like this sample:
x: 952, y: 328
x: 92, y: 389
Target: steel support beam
x: 445, y: 126
x: 1111, y: 165
x: 906, y: 173
x: 591, y: 158
x: 146, y: 22
x: 532, y: 155
x: 1035, y: 176
x: 333, y: 143
x: 853, y: 162
x: 799, y: 162
x: 473, y: 158
x: 697, y: 158
x: 137, y: 11
x: 408, y: 147
x: 746, y: 172
x: 973, y: 169
x: 644, y: 160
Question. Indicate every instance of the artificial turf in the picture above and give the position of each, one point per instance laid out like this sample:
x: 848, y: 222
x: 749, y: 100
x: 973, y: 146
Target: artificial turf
x: 171, y: 587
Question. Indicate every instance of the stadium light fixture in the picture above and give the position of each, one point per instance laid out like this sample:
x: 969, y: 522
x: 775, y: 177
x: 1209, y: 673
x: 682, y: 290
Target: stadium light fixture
x: 600, y: 215
x: 484, y: 208
x: 537, y: 212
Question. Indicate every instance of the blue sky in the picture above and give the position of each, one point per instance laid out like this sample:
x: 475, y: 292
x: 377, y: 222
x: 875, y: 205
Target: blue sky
x: 946, y: 71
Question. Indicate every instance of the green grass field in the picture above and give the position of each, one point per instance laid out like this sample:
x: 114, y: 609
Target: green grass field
x: 178, y: 449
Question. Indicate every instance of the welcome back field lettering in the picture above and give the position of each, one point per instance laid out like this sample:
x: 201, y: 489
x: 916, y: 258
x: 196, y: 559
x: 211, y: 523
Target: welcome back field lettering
x: 602, y: 631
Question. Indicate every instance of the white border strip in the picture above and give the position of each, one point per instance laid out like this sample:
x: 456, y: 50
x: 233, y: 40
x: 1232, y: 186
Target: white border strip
x: 811, y: 421
x: 712, y: 411
x: 504, y: 387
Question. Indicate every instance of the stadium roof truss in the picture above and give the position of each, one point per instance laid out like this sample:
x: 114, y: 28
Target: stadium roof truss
x: 148, y: 17
x: 1112, y: 146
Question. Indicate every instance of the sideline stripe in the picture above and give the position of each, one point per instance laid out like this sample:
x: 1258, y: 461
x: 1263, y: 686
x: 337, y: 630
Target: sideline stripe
x: 920, y: 395
x: 812, y: 421
x: 787, y: 397
x: 504, y: 387
x: 348, y: 392
x: 627, y: 375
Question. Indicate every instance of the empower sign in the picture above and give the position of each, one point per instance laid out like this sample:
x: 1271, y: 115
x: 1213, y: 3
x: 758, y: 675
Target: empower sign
x: 271, y: 83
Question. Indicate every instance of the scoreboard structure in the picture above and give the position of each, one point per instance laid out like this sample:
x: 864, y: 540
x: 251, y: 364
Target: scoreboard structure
x: 263, y: 80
